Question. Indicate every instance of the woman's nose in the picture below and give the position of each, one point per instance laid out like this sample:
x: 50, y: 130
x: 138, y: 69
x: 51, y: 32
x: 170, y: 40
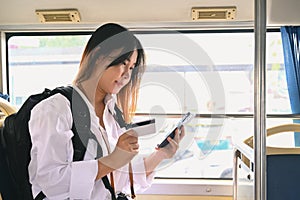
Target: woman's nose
x: 126, y: 73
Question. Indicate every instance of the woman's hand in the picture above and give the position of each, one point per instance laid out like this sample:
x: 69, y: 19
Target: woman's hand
x: 169, y: 150
x: 153, y: 160
x: 128, y: 141
x: 127, y: 147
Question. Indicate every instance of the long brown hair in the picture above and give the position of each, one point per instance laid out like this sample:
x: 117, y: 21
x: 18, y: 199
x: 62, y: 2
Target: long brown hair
x: 103, y: 42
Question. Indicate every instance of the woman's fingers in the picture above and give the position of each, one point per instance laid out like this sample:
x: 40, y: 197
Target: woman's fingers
x: 173, y: 142
x: 131, y: 132
x: 182, y: 133
x: 128, y: 141
x: 135, y: 147
x: 179, y: 134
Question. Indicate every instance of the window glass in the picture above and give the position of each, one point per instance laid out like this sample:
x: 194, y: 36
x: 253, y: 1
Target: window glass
x: 205, y: 73
x: 231, y: 56
x: 209, y: 142
x: 38, y: 62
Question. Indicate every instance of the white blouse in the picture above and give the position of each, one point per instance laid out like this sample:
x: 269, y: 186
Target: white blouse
x: 52, y: 169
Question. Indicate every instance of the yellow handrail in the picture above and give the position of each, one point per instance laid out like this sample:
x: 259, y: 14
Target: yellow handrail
x: 6, y: 109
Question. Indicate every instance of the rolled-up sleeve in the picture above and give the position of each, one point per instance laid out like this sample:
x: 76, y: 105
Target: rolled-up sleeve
x: 82, y: 183
x: 51, y: 168
x: 142, y: 182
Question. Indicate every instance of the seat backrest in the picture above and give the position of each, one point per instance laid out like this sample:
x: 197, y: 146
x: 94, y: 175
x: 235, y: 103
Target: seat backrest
x: 6, y: 109
x: 277, y: 130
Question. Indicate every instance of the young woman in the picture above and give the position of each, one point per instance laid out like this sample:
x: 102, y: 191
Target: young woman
x: 109, y: 75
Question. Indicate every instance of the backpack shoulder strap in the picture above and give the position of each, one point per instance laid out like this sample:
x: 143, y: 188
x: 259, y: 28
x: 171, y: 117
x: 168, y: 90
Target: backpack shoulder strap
x: 81, y: 129
x: 81, y: 121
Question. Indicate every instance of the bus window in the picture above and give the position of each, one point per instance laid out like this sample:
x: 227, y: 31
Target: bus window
x: 36, y: 62
x: 176, y: 81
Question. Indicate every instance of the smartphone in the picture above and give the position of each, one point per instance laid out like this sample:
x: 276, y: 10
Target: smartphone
x: 184, y: 120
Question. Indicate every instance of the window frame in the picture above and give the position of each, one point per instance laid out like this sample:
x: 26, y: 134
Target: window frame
x: 186, y: 186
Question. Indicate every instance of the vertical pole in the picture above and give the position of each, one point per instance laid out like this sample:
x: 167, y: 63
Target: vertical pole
x: 236, y: 154
x: 260, y: 101
x: 3, y: 86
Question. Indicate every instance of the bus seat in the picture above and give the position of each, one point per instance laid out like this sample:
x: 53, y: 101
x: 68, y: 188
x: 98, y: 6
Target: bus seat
x: 282, y: 168
x: 6, y: 109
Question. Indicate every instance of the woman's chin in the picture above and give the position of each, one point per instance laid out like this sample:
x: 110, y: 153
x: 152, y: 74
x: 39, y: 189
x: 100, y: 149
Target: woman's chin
x: 115, y: 91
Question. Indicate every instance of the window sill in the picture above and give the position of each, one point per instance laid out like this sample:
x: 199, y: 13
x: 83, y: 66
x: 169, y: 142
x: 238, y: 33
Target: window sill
x: 199, y: 187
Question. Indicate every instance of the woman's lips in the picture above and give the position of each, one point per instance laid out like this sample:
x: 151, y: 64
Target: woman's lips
x: 119, y: 83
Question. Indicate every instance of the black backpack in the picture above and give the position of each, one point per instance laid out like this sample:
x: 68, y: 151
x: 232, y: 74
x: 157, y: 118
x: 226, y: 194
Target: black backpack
x: 15, y: 143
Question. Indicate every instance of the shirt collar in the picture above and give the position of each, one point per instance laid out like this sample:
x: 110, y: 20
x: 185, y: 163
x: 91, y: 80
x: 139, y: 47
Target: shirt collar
x: 109, y: 100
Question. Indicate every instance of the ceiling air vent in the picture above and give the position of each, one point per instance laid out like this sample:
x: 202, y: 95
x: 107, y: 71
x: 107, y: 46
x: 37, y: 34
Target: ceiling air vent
x: 213, y: 13
x: 58, y: 16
